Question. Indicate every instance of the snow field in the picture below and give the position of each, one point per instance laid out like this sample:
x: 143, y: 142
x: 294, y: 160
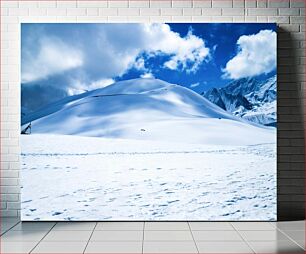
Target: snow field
x: 137, y: 180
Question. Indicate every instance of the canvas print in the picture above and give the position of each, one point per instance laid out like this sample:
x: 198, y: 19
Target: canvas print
x: 153, y: 122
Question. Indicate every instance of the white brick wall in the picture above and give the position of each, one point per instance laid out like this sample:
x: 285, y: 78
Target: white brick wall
x: 291, y: 59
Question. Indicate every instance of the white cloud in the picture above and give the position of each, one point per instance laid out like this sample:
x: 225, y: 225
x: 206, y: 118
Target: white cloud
x: 195, y: 85
x: 147, y: 75
x: 104, y: 52
x: 79, y: 87
x: 140, y: 64
x: 256, y: 55
x: 187, y: 52
x: 53, y: 56
x: 101, y: 83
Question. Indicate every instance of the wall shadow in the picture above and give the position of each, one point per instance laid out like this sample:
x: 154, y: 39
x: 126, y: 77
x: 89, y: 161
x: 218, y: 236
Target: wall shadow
x: 290, y: 132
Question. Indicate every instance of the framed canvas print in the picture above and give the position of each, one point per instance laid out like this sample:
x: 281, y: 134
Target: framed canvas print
x: 148, y: 121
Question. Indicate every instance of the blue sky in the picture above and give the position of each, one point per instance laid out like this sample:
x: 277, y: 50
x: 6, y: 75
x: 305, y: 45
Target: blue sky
x: 65, y: 59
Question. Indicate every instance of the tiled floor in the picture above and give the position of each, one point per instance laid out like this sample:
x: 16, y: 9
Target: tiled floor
x: 152, y: 237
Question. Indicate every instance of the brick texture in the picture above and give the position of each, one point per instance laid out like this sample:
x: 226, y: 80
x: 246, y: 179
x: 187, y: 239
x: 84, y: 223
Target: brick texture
x: 289, y: 14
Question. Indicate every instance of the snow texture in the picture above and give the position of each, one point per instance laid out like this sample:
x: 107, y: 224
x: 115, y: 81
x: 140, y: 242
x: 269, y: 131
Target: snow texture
x: 145, y: 149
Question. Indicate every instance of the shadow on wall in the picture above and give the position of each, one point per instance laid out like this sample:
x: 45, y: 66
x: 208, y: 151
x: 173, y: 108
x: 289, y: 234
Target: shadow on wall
x: 290, y: 135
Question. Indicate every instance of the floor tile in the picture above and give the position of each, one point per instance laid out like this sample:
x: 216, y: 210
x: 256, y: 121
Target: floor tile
x: 120, y: 226
x: 5, y: 229
x: 211, y: 226
x: 8, y: 224
x: 216, y: 236
x: 297, y: 235
x: 290, y: 225
x: 60, y: 247
x: 69, y: 236
x: 274, y: 235
x: 167, y: 236
x: 23, y: 236
x: 169, y: 247
x: 166, y: 226
x: 2, y: 231
x: 276, y: 247
x: 253, y: 226
x: 9, y: 220
x: 17, y: 247
x: 120, y: 236
x: 301, y: 243
x: 5, y: 226
x: 69, y: 226
x: 224, y: 247
x: 114, y: 247
x: 33, y: 226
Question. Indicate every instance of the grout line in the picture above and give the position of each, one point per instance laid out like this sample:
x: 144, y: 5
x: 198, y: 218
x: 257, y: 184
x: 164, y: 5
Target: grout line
x: 10, y: 228
x: 42, y: 238
x: 193, y: 237
x: 244, y: 240
x: 273, y: 225
x: 143, y: 232
x: 290, y: 238
x: 90, y: 236
x: 233, y: 227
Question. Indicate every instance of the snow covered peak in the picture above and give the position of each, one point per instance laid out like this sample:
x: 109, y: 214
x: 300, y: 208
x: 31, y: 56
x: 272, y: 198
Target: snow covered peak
x: 141, y: 94
x: 133, y: 86
x: 242, y: 86
x: 248, y: 98
x: 143, y: 109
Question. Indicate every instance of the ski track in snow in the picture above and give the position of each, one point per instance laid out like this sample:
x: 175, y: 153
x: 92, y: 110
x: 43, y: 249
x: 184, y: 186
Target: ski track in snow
x: 117, y: 179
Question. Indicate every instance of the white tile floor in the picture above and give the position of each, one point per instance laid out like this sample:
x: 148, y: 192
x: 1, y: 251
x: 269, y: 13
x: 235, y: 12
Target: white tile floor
x: 152, y: 237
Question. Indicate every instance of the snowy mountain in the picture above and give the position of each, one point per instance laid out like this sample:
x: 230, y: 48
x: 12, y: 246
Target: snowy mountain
x: 248, y: 98
x: 146, y: 109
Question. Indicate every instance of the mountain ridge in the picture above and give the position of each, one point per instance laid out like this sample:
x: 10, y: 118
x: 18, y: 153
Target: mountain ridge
x: 145, y: 109
x: 247, y: 98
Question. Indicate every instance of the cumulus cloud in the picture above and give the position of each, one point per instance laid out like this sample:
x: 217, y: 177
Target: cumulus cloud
x: 107, y: 51
x: 256, y: 55
x: 147, y: 75
x: 140, y: 64
x: 186, y: 52
x: 53, y: 56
